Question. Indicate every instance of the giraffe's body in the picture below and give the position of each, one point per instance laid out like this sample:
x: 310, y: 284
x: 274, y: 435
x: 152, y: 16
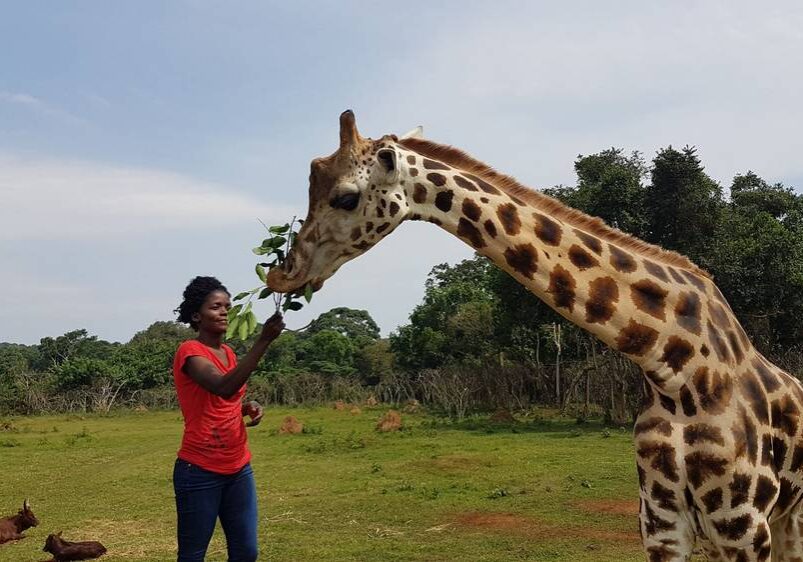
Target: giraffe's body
x: 718, y: 441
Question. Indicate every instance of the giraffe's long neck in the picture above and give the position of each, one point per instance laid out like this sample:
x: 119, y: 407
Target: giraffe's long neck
x: 662, y: 316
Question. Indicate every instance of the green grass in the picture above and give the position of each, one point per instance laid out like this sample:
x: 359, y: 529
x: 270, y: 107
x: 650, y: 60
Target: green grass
x: 436, y: 491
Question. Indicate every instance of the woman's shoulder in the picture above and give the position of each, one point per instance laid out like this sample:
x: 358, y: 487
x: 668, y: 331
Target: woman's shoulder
x: 189, y: 346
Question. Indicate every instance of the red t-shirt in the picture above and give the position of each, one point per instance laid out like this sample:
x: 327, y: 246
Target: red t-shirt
x: 214, y: 432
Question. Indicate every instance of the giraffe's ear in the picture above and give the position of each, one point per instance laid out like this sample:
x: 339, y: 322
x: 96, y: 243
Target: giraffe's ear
x: 387, y: 161
x: 416, y: 133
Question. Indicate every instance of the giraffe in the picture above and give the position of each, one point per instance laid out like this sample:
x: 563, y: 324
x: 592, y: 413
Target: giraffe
x: 719, y: 450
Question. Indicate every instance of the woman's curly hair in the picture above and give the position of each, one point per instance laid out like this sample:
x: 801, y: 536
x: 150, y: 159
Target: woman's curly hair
x: 194, y: 296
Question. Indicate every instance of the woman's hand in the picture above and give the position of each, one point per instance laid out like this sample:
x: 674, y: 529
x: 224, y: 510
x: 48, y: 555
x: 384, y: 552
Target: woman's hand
x: 254, y: 411
x: 272, y: 328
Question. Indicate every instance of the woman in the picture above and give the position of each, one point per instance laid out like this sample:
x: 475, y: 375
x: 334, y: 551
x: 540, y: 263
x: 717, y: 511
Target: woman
x: 212, y: 476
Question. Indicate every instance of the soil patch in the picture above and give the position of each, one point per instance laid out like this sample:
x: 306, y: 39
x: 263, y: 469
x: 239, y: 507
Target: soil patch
x: 391, y: 421
x: 534, y: 528
x: 291, y: 426
x: 613, y: 507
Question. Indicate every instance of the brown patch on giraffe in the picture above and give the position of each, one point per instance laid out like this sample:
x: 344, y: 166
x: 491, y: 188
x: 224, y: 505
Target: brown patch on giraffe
x: 547, y: 230
x: 419, y: 193
x: 779, y: 450
x: 785, y: 415
x: 797, y: 459
x: 719, y: 345
x: 636, y: 339
x: 603, y: 293
x: 523, y: 258
x: 655, y: 270
x: 464, y: 183
x: 394, y: 208
x: 581, y: 259
x: 490, y: 228
x: 766, y: 490
x: 467, y: 230
x: 667, y: 403
x: 649, y: 297
x: 531, y: 527
x: 591, y: 242
x: 677, y: 353
x: 712, y: 500
x: 436, y: 179
x: 484, y: 185
x: 621, y: 260
x: 654, y: 524
x: 676, y: 276
x: 443, y: 200
x: 704, y: 351
x: 740, y: 489
x: 356, y: 232
x: 718, y: 315
x: 738, y: 354
x: 471, y: 209
x: 434, y: 165
x: 658, y: 425
x: 369, y: 226
x: 768, y: 378
x: 517, y: 201
x: 701, y: 465
x: 664, y: 497
x: 612, y: 507
x: 762, y: 544
x: 509, y: 217
x: 786, y: 495
x: 687, y: 312
x: 562, y: 286
x: 702, y: 432
x: 362, y: 246
x: 661, y: 553
x: 413, y: 172
x: 485, y: 200
x: 382, y: 227
x: 745, y: 438
x: 410, y: 159
x: 687, y: 401
x: 694, y: 279
x: 663, y: 458
x: 434, y: 220
x: 734, y: 529
x: 755, y: 396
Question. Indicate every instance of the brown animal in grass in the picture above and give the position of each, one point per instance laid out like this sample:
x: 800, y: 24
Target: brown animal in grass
x: 63, y: 550
x: 11, y: 528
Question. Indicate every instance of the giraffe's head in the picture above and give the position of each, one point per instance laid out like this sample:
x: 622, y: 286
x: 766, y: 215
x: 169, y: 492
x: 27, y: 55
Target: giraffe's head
x: 356, y: 198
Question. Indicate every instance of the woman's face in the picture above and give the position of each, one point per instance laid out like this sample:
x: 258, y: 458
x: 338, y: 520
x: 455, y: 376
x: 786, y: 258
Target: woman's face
x: 213, y: 315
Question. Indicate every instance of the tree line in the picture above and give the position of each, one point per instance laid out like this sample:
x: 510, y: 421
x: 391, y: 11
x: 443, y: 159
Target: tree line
x: 479, y: 340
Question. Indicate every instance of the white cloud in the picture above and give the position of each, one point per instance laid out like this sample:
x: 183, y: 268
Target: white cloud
x: 40, y: 107
x: 51, y: 199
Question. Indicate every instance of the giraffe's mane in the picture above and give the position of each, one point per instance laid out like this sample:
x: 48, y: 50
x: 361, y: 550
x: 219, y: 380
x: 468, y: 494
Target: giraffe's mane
x: 593, y: 225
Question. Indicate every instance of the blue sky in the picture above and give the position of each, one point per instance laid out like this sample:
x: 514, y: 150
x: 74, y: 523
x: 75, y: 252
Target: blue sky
x: 141, y: 141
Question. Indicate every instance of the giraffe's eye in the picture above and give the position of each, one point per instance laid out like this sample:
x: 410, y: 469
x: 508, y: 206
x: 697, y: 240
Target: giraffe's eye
x: 347, y: 202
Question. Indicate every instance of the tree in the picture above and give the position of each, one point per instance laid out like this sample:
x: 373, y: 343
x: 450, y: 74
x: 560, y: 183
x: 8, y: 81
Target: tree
x: 351, y: 323
x: 683, y: 204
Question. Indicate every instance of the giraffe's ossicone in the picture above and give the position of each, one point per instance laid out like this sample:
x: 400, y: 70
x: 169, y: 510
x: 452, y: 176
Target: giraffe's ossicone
x: 719, y: 441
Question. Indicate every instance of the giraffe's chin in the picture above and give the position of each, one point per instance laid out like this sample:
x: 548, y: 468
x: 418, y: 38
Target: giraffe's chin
x: 279, y: 282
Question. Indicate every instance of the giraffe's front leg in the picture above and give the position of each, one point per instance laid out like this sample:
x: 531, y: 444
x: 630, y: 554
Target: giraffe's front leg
x: 667, y: 533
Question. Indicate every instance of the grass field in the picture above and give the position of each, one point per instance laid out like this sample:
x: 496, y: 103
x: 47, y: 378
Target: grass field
x: 535, y: 490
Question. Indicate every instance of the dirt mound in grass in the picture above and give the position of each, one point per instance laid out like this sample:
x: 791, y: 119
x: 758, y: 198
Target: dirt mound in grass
x: 355, y: 411
x: 339, y: 406
x: 532, y: 527
x: 291, y: 426
x: 371, y: 401
x: 502, y: 416
x: 391, y: 421
x: 613, y: 507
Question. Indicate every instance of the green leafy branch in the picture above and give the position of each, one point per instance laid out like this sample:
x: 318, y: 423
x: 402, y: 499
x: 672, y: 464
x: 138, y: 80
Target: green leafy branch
x: 274, y: 248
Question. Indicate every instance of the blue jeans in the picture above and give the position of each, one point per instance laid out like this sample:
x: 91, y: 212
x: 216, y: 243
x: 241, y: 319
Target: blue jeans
x: 202, y: 497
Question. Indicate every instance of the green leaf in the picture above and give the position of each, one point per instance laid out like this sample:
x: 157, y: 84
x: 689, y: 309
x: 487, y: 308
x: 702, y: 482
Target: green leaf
x: 308, y: 292
x: 278, y: 241
x: 251, y: 319
x: 242, y: 295
x: 259, y: 250
x: 265, y: 293
x: 234, y: 311
x: 263, y: 276
x: 242, y: 329
x: 295, y: 305
x: 279, y: 229
x: 233, y: 325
